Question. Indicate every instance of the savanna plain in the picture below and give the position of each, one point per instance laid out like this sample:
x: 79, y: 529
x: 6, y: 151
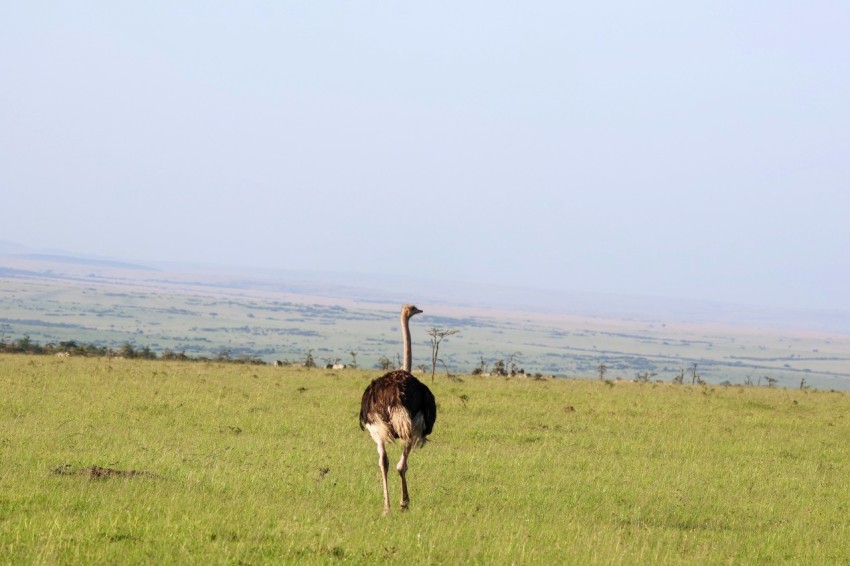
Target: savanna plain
x: 110, y: 461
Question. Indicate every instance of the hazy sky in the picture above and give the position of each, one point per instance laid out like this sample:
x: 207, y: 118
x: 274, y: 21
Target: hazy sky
x: 685, y: 149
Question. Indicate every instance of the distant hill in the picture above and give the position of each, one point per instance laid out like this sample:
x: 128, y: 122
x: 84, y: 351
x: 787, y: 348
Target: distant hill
x: 387, y: 289
x: 75, y: 260
x: 7, y: 247
x: 202, y: 310
x: 394, y: 289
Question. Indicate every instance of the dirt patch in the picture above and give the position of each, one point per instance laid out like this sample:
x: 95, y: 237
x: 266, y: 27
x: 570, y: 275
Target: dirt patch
x: 98, y: 472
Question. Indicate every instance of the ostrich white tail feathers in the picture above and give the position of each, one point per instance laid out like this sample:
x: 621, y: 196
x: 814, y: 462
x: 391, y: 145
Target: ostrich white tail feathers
x: 400, y: 425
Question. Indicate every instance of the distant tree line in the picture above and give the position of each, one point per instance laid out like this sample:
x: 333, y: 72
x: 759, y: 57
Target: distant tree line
x: 127, y: 350
x: 26, y: 345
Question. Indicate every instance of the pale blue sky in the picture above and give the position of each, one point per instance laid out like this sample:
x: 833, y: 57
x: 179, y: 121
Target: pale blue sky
x: 683, y: 149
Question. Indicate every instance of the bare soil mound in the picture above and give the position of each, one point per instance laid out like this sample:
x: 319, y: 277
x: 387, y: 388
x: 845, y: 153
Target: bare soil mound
x: 98, y: 472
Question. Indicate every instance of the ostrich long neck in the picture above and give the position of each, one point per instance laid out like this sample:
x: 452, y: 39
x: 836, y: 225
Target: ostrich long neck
x: 405, y: 333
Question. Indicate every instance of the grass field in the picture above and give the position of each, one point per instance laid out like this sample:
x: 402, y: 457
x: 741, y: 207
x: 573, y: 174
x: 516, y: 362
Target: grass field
x: 257, y: 464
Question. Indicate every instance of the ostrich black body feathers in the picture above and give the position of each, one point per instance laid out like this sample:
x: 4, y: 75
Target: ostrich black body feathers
x: 395, y: 389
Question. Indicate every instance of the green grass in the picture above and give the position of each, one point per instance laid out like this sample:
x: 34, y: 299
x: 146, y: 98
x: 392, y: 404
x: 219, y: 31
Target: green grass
x: 262, y: 465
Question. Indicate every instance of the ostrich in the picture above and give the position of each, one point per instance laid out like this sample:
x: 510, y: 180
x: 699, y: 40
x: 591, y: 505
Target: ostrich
x: 397, y: 405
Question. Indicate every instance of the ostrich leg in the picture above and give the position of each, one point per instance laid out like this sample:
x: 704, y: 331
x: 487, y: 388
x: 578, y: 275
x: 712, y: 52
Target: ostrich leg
x: 402, y: 471
x: 384, y: 464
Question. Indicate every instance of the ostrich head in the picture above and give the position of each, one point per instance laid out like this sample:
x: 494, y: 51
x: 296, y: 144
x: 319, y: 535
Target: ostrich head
x: 409, y: 310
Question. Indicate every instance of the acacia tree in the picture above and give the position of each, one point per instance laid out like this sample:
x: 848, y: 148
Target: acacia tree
x: 512, y: 364
x: 481, y: 369
x: 694, y: 374
x: 385, y: 363
x: 309, y: 361
x: 602, y: 369
x: 499, y: 368
x: 437, y: 336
